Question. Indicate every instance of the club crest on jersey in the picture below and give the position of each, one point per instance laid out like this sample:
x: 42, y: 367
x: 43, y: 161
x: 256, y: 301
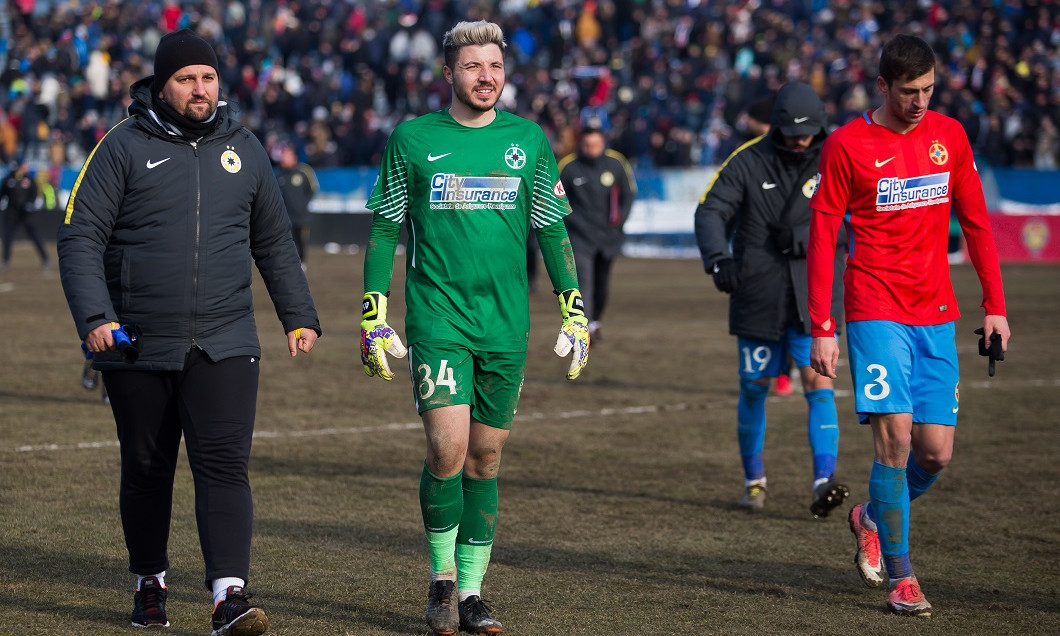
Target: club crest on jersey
x: 230, y: 161
x: 938, y: 154
x: 810, y: 187
x: 607, y: 179
x: 515, y: 157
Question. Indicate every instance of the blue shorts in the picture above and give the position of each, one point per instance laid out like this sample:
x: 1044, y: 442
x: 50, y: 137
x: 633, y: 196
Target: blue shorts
x: 904, y: 369
x: 765, y: 358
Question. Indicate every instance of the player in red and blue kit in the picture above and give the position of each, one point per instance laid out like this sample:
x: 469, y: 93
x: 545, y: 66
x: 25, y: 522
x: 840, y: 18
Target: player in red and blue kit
x: 897, y: 171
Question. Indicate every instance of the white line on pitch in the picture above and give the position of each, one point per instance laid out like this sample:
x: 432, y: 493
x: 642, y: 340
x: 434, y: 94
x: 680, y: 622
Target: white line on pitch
x: 563, y: 415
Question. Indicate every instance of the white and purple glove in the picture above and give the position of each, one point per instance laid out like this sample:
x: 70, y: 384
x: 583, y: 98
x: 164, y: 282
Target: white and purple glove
x: 377, y: 338
x: 574, y: 334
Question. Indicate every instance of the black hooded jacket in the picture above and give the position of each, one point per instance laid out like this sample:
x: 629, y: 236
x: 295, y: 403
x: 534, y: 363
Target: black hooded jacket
x: 160, y: 231
x: 760, y: 194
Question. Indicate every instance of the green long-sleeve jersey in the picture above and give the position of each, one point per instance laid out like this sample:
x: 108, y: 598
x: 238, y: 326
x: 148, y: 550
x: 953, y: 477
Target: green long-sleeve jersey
x: 469, y: 197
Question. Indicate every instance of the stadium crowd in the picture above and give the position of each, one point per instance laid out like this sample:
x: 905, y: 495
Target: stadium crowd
x: 669, y: 80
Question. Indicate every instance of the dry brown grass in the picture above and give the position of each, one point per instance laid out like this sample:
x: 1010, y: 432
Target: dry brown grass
x: 617, y: 490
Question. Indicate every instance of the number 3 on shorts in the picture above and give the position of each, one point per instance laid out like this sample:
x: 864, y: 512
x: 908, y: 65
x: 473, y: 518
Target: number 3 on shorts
x: 428, y: 385
x: 878, y: 389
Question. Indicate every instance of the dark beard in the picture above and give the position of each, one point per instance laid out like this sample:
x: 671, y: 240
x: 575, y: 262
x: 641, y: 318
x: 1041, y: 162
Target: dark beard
x: 467, y: 100
x: 192, y: 129
x: 189, y: 113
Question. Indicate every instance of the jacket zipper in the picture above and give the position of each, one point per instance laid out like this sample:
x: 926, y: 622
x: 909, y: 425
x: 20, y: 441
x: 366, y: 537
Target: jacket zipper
x: 195, y: 253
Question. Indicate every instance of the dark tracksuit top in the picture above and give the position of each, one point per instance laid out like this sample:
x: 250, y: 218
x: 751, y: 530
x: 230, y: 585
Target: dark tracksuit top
x: 760, y: 184
x: 593, y: 186
x: 160, y: 232
x: 157, y: 234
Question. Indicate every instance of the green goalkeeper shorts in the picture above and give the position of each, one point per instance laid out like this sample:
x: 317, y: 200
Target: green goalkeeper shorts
x: 445, y: 374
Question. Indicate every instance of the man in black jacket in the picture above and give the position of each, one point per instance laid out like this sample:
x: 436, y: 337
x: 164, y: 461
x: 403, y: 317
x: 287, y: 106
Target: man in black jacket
x: 298, y: 185
x: 600, y: 187
x: 18, y: 197
x: 752, y: 225
x: 155, y: 255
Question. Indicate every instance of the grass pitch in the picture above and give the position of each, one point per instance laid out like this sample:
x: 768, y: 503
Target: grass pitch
x: 618, y: 490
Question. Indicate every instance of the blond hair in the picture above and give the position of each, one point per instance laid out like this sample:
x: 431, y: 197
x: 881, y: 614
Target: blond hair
x: 468, y: 34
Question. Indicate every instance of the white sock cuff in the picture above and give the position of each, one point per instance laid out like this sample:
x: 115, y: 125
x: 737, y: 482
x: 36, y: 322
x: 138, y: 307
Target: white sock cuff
x: 161, y: 576
x: 221, y: 585
x: 463, y: 595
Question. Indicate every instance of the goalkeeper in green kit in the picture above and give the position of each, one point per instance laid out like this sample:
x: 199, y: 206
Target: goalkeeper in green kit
x: 469, y: 182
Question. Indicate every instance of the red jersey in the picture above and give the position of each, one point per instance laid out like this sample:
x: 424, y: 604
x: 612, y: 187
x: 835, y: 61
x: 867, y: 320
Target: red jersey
x: 899, y: 189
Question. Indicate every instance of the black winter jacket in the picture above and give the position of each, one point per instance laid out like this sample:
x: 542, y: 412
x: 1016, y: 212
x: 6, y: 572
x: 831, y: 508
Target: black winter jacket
x: 761, y: 188
x: 160, y: 232
x: 593, y: 186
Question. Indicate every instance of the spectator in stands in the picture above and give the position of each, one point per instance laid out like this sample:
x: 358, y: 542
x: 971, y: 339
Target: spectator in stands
x: 621, y: 62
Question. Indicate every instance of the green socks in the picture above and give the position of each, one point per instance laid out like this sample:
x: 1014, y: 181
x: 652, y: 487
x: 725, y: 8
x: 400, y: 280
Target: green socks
x: 474, y: 541
x: 459, y: 521
x: 442, y: 503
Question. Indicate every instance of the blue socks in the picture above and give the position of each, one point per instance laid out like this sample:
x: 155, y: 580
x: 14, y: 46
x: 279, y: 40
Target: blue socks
x: 822, y: 426
x: 751, y: 415
x: 889, y: 496
x: 919, y: 479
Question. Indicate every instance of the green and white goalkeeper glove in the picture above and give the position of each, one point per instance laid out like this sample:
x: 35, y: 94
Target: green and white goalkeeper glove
x: 574, y: 334
x: 377, y: 338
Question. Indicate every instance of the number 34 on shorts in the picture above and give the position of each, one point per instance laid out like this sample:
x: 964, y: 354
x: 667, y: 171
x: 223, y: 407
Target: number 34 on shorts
x: 446, y: 373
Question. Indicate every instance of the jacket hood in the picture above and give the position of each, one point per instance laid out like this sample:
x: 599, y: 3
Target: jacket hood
x: 141, y: 107
x: 799, y: 111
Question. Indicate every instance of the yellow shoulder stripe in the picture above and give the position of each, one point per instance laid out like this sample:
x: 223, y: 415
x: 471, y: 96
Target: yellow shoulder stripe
x: 726, y: 162
x: 80, y: 175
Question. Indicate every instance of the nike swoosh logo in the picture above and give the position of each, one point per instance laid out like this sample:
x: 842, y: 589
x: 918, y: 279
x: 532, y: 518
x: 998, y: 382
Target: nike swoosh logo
x: 768, y: 186
x: 799, y: 120
x: 431, y: 157
x: 884, y: 162
x: 477, y: 542
x: 155, y: 164
x: 956, y: 408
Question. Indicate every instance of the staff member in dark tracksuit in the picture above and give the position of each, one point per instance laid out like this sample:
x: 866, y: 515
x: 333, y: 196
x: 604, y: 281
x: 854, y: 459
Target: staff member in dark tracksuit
x: 752, y: 225
x: 298, y: 185
x: 162, y: 224
x: 18, y: 196
x: 600, y: 187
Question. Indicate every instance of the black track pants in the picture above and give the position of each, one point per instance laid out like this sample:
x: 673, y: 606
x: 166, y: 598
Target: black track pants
x: 212, y: 404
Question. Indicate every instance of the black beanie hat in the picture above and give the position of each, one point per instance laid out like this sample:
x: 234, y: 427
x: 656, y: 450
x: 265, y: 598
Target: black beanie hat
x: 177, y: 50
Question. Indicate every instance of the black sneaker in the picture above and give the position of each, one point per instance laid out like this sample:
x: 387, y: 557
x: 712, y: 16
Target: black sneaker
x: 235, y: 616
x: 149, y: 605
x: 475, y: 617
x: 442, y: 615
x: 828, y: 496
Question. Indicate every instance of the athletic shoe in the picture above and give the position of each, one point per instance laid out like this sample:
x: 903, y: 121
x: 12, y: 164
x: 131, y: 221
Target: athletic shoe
x: 828, y: 496
x: 89, y: 376
x: 867, y: 558
x: 475, y: 617
x: 754, y: 498
x: 783, y: 384
x: 906, y: 599
x: 235, y: 616
x: 443, y: 617
x: 149, y: 605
